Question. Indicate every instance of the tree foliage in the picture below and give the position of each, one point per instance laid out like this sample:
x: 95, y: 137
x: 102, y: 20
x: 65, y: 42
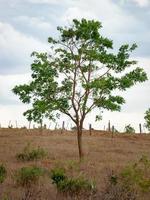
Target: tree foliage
x: 80, y: 73
x: 147, y: 119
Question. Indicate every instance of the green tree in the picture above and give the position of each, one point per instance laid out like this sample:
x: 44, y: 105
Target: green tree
x: 80, y: 73
x: 147, y: 119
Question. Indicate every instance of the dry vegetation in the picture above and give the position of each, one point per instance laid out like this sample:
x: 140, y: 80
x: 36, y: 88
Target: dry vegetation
x: 102, y: 155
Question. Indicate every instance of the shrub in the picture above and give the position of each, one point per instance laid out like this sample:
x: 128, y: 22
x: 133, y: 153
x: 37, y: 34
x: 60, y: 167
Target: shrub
x: 71, y: 187
x: 3, y: 173
x: 129, y: 129
x: 130, y: 184
x: 5, y: 197
x: 75, y: 185
x: 57, y: 175
x: 29, y: 154
x: 138, y: 174
x: 27, y: 176
x: 147, y: 119
x: 115, y: 189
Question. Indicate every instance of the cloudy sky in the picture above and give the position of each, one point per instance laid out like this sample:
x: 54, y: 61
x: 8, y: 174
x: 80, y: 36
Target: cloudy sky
x: 26, y: 24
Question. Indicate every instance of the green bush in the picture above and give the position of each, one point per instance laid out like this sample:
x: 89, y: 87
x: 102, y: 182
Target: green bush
x: 5, y: 197
x: 138, y: 174
x: 115, y: 189
x: 132, y: 183
x: 113, y: 179
x: 30, y: 154
x: 57, y: 175
x: 3, y: 173
x: 27, y: 176
x: 129, y: 129
x: 71, y: 186
x: 75, y: 185
x: 147, y: 119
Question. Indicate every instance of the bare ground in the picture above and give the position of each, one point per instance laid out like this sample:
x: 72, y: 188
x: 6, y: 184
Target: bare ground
x: 102, y: 153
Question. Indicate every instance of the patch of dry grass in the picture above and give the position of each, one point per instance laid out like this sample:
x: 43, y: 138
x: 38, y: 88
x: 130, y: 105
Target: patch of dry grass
x: 101, y: 153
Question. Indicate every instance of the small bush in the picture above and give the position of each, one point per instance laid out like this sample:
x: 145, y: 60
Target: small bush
x: 3, y: 173
x: 28, y: 176
x: 130, y: 184
x: 138, y: 174
x: 115, y: 189
x: 147, y: 119
x: 57, y: 175
x: 71, y: 187
x: 75, y: 185
x: 129, y: 129
x: 29, y: 154
x: 5, y: 197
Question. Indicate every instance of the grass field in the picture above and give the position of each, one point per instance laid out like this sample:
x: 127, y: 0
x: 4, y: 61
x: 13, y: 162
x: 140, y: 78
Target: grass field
x: 102, y: 153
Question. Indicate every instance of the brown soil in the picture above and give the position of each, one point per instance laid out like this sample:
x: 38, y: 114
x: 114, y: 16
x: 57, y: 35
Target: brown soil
x: 102, y: 153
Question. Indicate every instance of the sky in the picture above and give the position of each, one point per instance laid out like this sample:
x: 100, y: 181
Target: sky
x: 25, y: 26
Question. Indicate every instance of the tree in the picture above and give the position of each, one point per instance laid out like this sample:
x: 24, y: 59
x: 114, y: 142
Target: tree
x: 80, y: 73
x: 129, y: 129
x: 147, y: 119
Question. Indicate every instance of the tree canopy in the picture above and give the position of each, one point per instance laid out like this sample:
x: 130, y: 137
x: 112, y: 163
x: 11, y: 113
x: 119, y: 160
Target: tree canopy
x: 80, y: 73
x: 147, y: 119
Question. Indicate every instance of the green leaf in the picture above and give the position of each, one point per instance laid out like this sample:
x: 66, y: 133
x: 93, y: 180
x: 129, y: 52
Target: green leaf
x: 80, y: 73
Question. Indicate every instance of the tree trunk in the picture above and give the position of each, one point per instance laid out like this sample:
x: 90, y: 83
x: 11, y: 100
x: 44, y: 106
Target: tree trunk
x: 79, y: 138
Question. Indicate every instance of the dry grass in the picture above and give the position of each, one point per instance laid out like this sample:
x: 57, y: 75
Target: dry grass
x: 101, y: 153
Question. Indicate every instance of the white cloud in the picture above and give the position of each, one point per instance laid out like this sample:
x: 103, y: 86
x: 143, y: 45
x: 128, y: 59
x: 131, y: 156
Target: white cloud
x: 75, y: 12
x: 34, y: 22
x: 112, y: 16
x: 13, y: 113
x: 16, y: 48
x: 10, y: 106
x: 7, y: 82
x: 142, y: 3
x: 43, y: 1
x: 48, y: 1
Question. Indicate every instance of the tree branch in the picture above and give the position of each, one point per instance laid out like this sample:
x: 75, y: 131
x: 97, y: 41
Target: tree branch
x: 69, y: 115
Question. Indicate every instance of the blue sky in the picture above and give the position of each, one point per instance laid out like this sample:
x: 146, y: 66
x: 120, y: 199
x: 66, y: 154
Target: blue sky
x: 26, y: 24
